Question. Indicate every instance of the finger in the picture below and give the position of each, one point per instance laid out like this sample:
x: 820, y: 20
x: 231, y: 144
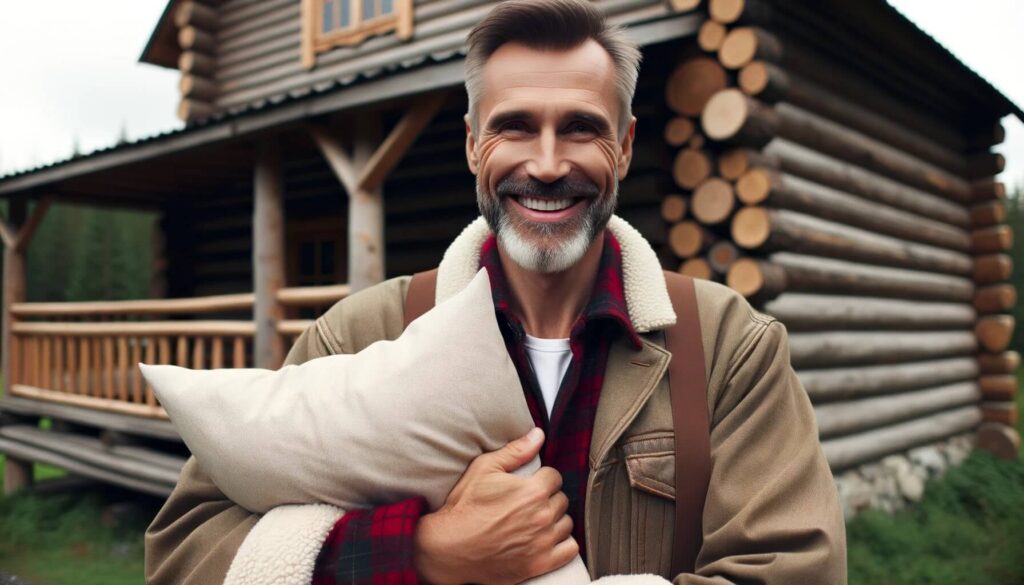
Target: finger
x: 517, y: 453
x: 549, y: 478
x: 562, y: 529
x: 561, y: 554
x: 559, y: 505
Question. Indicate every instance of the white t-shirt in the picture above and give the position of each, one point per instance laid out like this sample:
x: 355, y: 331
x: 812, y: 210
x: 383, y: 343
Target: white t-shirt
x: 550, y: 359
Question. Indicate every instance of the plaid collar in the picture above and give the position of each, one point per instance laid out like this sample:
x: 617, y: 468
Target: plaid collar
x: 607, y: 301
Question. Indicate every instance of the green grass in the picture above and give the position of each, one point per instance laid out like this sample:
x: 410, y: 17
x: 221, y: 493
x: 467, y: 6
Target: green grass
x: 67, y: 539
x: 967, y: 530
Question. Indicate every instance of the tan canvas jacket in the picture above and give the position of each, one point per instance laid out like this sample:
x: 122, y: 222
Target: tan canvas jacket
x: 772, y: 513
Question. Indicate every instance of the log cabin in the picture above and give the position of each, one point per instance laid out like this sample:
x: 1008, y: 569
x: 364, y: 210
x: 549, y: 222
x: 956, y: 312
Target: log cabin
x: 828, y: 160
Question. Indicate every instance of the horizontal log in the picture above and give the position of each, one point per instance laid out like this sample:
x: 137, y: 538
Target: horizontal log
x: 987, y: 189
x: 722, y: 255
x: 1000, y: 412
x: 764, y: 229
x: 771, y: 83
x: 196, y: 14
x: 847, y: 348
x: 678, y: 130
x: 845, y: 452
x: 191, y: 38
x: 190, y: 62
x: 998, y: 387
x: 821, y: 134
x: 732, y: 116
x: 745, y: 44
x: 849, y: 178
x: 697, y: 268
x: 313, y: 296
x: 190, y: 110
x: 1000, y: 440
x: 807, y: 312
x: 103, y: 404
x: 691, y: 168
x: 688, y: 238
x: 984, y: 164
x: 1005, y: 362
x: 127, y: 423
x: 992, y: 268
x: 711, y: 36
x: 774, y: 189
x: 196, y: 305
x: 733, y: 163
x: 692, y: 84
x: 799, y: 273
x: 713, y: 201
x: 995, y: 298
x: 988, y: 214
x: 842, y: 418
x: 293, y: 327
x: 197, y: 88
x: 995, y: 332
x: 137, y: 329
x: 673, y: 208
x: 833, y: 384
x: 992, y: 240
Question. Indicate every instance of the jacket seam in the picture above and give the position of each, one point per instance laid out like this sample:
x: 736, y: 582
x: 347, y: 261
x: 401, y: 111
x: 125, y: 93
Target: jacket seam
x: 327, y: 337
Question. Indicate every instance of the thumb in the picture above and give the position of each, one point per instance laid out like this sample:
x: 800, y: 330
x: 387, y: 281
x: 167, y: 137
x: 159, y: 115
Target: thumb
x: 519, y: 452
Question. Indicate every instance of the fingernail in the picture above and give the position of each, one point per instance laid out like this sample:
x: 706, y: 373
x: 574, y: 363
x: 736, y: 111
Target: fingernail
x: 535, y: 435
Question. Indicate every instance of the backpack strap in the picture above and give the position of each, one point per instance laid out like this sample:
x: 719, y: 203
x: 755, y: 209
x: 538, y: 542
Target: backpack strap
x: 421, y: 296
x: 688, y: 388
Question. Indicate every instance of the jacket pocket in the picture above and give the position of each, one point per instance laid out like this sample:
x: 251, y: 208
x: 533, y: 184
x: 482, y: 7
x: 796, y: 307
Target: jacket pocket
x: 651, y: 465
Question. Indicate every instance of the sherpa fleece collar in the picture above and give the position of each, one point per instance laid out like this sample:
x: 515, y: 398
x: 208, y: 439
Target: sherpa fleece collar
x: 646, y: 295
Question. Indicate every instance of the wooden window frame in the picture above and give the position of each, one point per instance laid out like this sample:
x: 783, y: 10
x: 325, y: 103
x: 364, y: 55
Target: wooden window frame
x: 315, y: 41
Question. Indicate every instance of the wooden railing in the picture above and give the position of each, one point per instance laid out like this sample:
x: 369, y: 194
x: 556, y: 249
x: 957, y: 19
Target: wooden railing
x: 86, y: 354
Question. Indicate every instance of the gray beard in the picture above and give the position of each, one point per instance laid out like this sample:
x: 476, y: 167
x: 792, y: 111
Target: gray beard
x: 537, y: 247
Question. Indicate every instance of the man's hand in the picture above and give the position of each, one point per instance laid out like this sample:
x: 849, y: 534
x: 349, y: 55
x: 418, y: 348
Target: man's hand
x: 495, y: 527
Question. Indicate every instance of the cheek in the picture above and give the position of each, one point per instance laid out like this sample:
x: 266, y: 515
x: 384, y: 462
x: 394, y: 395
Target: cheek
x: 498, y: 158
x: 597, y: 160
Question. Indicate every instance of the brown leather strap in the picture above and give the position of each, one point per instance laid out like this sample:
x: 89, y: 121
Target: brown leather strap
x: 421, y: 296
x: 690, y: 419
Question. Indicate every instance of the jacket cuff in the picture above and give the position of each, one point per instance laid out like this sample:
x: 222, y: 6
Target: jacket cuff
x: 371, y: 547
x: 283, y: 546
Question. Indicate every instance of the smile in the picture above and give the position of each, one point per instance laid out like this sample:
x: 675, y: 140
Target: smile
x: 545, y: 204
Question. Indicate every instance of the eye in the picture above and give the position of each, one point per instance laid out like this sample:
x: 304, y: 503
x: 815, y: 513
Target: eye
x: 580, y: 127
x: 515, y: 126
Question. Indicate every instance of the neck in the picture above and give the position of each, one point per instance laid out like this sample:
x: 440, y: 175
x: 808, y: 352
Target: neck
x: 549, y: 304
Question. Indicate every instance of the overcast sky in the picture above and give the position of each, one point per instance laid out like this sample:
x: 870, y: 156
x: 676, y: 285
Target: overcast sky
x: 70, y: 71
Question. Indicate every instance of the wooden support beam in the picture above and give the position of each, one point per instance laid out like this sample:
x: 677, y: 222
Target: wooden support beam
x: 337, y: 156
x: 268, y: 254
x: 402, y: 136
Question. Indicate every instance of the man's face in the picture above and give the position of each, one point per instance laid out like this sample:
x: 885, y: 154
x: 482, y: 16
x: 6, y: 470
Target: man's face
x: 548, y: 158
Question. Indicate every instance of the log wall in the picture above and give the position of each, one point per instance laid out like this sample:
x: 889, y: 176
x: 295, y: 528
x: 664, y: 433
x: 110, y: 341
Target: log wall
x: 816, y: 184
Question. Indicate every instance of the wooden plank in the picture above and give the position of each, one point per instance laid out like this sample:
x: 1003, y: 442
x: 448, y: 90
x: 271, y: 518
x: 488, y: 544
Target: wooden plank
x: 238, y: 353
x: 217, y: 353
x: 96, y: 375
x: 85, y: 388
x: 72, y: 348
x: 198, y: 354
x: 402, y: 136
x: 123, y: 378
x: 137, y: 329
x: 835, y: 384
x: 842, y: 418
x: 312, y: 296
x: 116, y: 406
x: 108, y: 367
x: 181, y: 352
x: 191, y: 306
x: 136, y: 372
x: 46, y: 349
x: 58, y: 365
x: 128, y: 423
x: 150, y: 359
x: 809, y: 311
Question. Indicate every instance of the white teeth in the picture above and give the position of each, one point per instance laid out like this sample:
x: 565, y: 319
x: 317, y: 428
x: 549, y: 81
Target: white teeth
x: 544, y: 204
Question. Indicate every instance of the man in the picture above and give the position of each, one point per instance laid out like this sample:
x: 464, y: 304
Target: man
x: 582, y: 304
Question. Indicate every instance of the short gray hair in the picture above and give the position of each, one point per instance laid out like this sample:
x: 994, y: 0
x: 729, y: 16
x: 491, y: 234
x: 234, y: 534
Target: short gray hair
x: 551, y: 24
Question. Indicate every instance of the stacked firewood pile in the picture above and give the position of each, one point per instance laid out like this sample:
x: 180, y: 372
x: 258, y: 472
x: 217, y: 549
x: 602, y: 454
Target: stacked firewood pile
x: 872, y: 230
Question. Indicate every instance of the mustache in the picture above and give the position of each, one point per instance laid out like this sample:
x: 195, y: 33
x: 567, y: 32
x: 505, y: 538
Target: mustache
x: 566, y: 187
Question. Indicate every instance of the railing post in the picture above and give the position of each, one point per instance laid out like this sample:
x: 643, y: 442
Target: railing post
x: 268, y: 253
x: 17, y: 472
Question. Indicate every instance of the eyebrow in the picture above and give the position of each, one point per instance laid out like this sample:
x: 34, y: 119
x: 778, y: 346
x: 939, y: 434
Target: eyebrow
x: 599, y: 122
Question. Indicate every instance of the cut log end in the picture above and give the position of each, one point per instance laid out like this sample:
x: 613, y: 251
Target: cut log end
x: 678, y: 131
x: 713, y: 201
x: 753, y: 79
x: 189, y: 110
x: 1006, y: 362
x: 751, y: 227
x: 995, y: 332
x: 992, y: 240
x: 686, y: 239
x: 988, y: 214
x: 754, y: 186
x: 732, y: 115
x: 673, y: 208
x: 697, y: 268
x: 691, y: 168
x: 1000, y: 412
x: 743, y: 45
x: 998, y: 387
x: 685, y: 5
x: 711, y: 36
x: 995, y: 299
x: 722, y: 255
x: 747, y: 277
x: 726, y: 11
x: 992, y: 268
x: 693, y: 83
x: 999, y: 440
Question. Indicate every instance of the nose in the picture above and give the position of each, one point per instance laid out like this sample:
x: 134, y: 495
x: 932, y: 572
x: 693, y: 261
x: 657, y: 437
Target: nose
x: 547, y: 163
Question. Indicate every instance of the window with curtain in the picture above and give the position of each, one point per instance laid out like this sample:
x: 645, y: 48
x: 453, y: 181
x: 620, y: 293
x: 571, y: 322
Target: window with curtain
x: 334, y: 23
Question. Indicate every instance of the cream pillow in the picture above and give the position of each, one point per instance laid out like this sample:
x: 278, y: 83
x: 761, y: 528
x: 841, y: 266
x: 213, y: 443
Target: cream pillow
x: 399, y: 419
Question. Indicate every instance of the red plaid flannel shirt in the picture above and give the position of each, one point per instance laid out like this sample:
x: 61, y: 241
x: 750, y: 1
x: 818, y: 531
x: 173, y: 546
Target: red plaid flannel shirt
x: 374, y: 547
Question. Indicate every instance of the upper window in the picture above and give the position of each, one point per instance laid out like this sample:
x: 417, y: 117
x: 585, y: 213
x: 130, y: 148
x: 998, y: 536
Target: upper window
x: 331, y: 23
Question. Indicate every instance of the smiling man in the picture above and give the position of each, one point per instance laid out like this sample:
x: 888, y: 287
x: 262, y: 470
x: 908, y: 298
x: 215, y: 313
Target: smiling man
x: 584, y: 309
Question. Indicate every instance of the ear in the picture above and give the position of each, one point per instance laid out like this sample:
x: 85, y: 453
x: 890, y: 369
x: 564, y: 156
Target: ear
x: 471, y: 157
x: 626, y: 149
